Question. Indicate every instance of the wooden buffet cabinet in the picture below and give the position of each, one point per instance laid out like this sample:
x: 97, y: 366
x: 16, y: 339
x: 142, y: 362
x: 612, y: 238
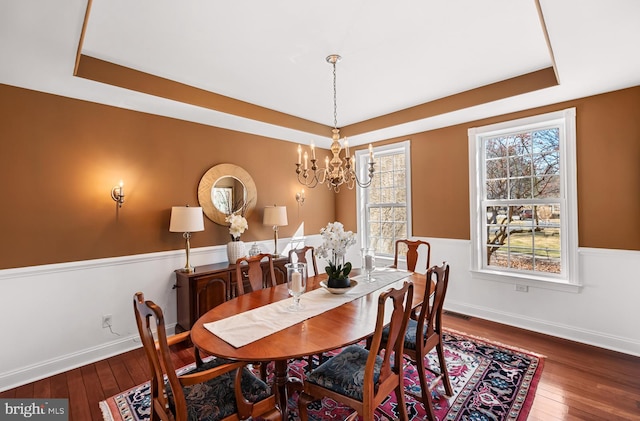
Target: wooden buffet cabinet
x: 210, y: 285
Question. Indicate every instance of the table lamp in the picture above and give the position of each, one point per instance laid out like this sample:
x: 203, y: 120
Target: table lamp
x: 186, y: 220
x: 276, y: 216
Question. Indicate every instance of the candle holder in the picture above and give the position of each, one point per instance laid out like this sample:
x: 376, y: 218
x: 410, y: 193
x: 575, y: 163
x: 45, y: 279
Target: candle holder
x: 368, y: 262
x: 296, y: 283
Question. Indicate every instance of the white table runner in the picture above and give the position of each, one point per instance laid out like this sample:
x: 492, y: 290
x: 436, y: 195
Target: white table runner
x: 243, y: 328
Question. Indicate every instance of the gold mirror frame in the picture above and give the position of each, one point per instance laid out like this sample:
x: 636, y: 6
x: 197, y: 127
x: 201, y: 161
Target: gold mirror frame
x: 208, y: 181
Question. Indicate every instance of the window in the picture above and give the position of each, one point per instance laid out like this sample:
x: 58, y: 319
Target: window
x: 523, y: 199
x: 384, y: 208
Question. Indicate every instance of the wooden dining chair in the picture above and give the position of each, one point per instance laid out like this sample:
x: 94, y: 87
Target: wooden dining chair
x: 255, y: 273
x: 429, y: 322
x: 306, y: 255
x: 413, y: 251
x: 211, y: 391
x: 362, y: 378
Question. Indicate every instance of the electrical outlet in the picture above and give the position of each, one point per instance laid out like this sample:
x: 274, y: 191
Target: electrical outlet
x: 522, y: 288
x: 106, y: 320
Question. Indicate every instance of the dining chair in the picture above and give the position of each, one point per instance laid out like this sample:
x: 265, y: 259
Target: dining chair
x: 362, y: 378
x: 210, y: 391
x: 255, y: 273
x: 306, y: 254
x: 413, y: 251
x: 425, y: 333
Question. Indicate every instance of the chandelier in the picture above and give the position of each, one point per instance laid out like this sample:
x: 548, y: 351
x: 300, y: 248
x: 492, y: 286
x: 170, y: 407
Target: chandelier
x: 337, y: 171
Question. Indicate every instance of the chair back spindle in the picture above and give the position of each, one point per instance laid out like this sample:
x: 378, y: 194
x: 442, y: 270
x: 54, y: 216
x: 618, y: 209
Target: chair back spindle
x: 306, y: 255
x: 413, y: 251
x: 255, y: 272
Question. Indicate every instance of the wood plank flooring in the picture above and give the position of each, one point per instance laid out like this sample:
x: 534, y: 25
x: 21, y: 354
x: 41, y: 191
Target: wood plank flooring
x: 579, y: 382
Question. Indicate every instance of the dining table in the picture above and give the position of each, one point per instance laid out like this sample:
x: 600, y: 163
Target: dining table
x: 349, y: 322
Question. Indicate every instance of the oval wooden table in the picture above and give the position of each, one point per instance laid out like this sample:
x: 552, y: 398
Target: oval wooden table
x: 335, y: 328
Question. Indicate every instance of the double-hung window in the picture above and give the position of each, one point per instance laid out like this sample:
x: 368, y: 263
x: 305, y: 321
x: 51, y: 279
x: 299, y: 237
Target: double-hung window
x: 523, y: 201
x: 384, y: 208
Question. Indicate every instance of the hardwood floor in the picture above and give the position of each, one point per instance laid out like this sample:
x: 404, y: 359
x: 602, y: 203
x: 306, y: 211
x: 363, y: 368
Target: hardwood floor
x: 579, y: 382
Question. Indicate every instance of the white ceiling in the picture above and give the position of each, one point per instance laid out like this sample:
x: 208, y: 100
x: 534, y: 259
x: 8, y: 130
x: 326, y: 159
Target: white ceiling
x: 272, y: 54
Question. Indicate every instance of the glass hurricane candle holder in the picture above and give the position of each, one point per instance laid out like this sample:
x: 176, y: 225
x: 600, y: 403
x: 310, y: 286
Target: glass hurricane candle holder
x: 296, y: 282
x: 368, y: 262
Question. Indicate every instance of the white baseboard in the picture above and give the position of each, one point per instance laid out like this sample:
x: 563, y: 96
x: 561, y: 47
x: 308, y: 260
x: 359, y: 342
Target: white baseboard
x: 571, y: 333
x: 151, y: 273
x: 68, y: 362
x: 64, y: 363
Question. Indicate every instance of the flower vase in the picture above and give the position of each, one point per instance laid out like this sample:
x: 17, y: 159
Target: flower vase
x: 235, y: 250
x: 339, y: 283
x: 338, y: 260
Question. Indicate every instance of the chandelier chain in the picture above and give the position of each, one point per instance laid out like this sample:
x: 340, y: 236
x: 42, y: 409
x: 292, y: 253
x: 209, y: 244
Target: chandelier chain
x: 335, y: 98
x: 338, y: 170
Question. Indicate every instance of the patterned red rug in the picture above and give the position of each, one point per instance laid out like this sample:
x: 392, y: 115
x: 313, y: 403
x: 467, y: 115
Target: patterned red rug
x: 491, y: 382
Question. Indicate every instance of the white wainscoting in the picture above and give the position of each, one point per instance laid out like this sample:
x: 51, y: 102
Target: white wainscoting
x: 52, y: 314
x: 604, y: 313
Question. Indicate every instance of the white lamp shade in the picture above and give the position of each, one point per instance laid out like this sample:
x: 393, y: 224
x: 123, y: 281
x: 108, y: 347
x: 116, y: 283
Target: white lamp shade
x: 186, y: 219
x: 275, y: 216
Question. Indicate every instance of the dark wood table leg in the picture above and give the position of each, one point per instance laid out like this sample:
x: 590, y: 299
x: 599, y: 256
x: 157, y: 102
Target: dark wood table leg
x: 281, y: 386
x: 285, y: 385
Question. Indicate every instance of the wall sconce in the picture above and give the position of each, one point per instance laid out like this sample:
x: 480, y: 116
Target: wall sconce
x: 276, y: 216
x: 300, y: 197
x: 117, y: 194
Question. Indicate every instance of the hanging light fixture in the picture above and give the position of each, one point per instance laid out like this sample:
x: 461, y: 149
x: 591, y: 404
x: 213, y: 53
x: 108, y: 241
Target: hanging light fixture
x: 337, y: 171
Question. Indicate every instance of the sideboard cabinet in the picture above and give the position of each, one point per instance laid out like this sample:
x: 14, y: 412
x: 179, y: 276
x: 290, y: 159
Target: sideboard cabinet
x: 210, y: 285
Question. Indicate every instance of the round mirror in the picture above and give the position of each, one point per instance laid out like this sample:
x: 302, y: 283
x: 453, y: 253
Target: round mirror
x: 226, y: 189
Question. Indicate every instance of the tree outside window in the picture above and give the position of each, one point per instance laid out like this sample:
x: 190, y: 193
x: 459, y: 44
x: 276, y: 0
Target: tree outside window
x: 523, y: 204
x: 522, y: 192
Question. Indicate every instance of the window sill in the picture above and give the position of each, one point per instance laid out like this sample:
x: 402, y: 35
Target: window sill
x: 529, y: 281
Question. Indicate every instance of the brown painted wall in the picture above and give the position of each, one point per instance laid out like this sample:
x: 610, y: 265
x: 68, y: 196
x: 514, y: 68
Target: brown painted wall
x: 608, y: 161
x: 60, y: 157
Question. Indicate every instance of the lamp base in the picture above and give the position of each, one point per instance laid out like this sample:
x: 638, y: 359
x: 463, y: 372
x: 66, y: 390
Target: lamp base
x: 275, y: 242
x: 187, y: 270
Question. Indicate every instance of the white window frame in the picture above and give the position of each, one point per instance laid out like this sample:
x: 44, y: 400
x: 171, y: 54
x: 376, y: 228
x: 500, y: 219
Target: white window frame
x: 569, y: 279
x: 362, y: 196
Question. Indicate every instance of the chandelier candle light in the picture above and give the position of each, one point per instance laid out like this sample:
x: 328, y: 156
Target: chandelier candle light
x: 334, y: 173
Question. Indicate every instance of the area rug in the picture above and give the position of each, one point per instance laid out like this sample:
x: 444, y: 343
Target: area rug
x: 490, y: 381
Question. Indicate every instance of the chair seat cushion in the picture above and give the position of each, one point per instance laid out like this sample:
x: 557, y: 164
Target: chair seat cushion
x: 215, y: 399
x: 344, y: 373
x: 409, y: 337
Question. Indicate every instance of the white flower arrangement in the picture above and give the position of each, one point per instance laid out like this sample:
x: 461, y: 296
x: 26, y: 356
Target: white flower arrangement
x: 335, y: 240
x: 237, y: 225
